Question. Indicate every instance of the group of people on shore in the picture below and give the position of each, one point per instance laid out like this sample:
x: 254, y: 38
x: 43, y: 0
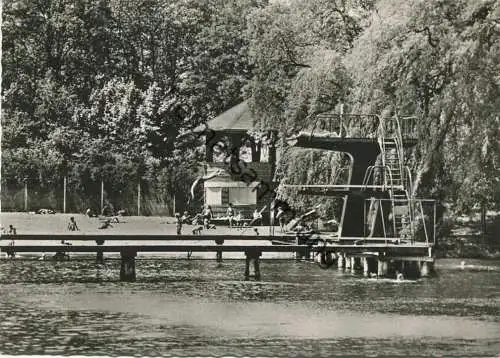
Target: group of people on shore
x: 288, y: 221
x: 239, y: 220
x: 201, y: 220
x: 204, y: 220
x: 235, y: 219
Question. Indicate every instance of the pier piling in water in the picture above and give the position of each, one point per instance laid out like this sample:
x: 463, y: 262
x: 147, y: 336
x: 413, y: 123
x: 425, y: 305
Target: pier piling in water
x: 353, y: 264
x: 426, y: 268
x: 127, y: 269
x: 347, y: 260
x: 410, y: 269
x: 369, y: 265
x: 302, y: 253
x: 99, y: 253
x: 366, y: 268
x: 356, y: 264
x: 341, y: 261
x: 252, y: 256
x: 382, y: 268
x: 218, y: 256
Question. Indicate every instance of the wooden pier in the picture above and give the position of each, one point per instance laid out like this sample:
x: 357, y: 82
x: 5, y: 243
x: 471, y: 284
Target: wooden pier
x: 363, y: 253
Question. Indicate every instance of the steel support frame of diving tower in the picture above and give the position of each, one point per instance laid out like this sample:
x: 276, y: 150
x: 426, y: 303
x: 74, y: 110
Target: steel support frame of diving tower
x: 364, y: 153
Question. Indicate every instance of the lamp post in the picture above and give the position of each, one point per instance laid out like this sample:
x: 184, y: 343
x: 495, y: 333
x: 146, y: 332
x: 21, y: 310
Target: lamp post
x: 139, y: 198
x: 102, y: 194
x: 26, y: 194
x: 64, y: 194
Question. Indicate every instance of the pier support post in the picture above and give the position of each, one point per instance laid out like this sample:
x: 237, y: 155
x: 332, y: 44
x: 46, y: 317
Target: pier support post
x: 341, y: 260
x: 252, y: 256
x: 347, y: 263
x: 382, y: 268
x: 127, y: 269
x: 256, y: 268
x: 302, y: 253
x: 218, y: 256
x: 426, y: 268
x: 354, y: 264
x: 410, y: 269
x: 370, y: 266
x: 99, y: 256
x: 366, y: 267
x: 100, y: 253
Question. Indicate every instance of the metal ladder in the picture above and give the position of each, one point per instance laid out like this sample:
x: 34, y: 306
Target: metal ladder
x: 391, y: 146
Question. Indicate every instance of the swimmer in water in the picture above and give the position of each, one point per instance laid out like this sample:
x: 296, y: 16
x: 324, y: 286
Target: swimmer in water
x: 399, y: 276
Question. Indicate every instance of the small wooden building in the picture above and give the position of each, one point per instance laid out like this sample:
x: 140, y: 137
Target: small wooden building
x: 245, y: 160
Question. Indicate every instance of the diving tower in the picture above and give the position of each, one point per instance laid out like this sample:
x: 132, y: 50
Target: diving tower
x: 378, y: 198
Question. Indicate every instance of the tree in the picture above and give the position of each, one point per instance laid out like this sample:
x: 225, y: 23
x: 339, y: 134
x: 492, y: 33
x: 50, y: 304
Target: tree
x: 297, y: 52
x: 440, y: 62
x: 296, y: 49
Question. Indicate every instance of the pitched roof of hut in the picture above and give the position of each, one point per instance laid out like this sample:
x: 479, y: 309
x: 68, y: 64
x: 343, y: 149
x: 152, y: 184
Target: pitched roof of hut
x: 238, y: 117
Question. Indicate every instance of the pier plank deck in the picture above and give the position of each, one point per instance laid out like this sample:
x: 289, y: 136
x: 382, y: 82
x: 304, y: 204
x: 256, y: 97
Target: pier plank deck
x: 387, y: 248
x: 210, y: 237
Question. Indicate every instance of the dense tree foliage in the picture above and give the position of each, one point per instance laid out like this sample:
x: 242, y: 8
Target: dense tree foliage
x: 439, y: 62
x: 102, y: 90
x: 107, y: 89
x: 436, y: 61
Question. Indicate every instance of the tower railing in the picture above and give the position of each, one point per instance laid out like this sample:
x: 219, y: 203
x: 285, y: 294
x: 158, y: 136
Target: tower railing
x: 358, y: 126
x: 341, y: 125
x: 421, y: 228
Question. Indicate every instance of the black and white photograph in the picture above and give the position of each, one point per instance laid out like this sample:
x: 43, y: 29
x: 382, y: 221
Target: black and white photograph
x: 250, y: 178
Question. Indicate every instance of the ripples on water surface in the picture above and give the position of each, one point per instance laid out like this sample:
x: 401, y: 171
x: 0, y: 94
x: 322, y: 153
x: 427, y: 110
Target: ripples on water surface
x: 196, y: 308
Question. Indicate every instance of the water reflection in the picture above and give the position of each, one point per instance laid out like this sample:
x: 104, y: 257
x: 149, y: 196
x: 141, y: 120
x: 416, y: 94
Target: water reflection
x: 197, y: 308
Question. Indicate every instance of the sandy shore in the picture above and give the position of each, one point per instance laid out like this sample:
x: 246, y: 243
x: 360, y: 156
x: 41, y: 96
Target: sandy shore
x: 57, y: 223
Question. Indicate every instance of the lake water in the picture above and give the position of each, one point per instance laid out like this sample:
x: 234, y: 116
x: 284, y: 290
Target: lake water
x: 196, y: 308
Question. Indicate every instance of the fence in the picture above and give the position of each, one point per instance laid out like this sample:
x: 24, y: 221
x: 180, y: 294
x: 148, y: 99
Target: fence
x: 72, y: 196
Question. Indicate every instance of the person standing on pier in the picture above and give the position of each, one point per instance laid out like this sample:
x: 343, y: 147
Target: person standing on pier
x: 207, y: 216
x: 12, y: 230
x: 280, y: 215
x: 230, y: 214
x: 72, y: 226
x: 257, y: 217
x: 10, y: 251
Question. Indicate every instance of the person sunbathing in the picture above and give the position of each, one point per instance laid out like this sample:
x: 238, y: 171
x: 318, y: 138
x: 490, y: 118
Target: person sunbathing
x: 186, y: 218
x: 238, y: 219
x: 106, y: 224
x: 257, y: 216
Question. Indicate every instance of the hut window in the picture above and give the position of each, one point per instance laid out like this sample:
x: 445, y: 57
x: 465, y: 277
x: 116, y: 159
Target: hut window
x: 242, y: 196
x: 213, y: 196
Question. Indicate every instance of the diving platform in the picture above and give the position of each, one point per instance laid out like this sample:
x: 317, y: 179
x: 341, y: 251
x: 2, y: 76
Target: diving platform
x: 340, y: 144
x: 378, y: 191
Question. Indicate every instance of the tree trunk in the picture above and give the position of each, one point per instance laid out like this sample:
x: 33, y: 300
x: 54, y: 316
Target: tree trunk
x: 483, y: 223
